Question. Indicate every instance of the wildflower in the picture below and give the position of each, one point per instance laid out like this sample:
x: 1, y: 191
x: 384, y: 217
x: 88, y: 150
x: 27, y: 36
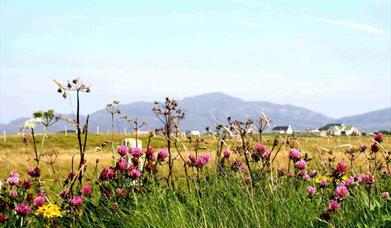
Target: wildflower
x: 374, y: 147
x: 360, y: 177
x: 306, y: 177
x: 151, y: 167
x: 39, y: 201
x: 312, y: 173
x: 256, y: 156
x: 246, y: 178
x: 341, y: 167
x: 3, y: 218
x: 134, y: 173
x: 294, y: 154
x: 149, y: 154
x: 122, y: 165
x: 29, y: 198
x: 41, y: 193
x: 34, y: 172
x: 202, y: 160
x: 135, y: 161
x: 363, y: 147
x: 301, y: 164
x: 76, y: 201
x: 107, y: 173
x: 13, y: 194
x: 345, y: 178
x: 162, y: 155
x: 192, y: 159
x: 260, y: 152
x: 369, y: 180
x: 260, y: 148
x: 266, y: 155
x: 378, y: 137
x: 31, y: 123
x: 23, y: 209
x: 120, y: 192
x: 333, y: 206
x: 238, y: 165
x: 86, y: 190
x: 311, y: 191
x: 49, y: 211
x: 108, y: 193
x: 349, y: 182
x: 341, y: 192
x: 226, y: 154
x: 136, y: 152
x: 385, y: 195
x: 27, y: 183
x: 122, y: 150
x: 323, y: 181
x: 13, y: 179
x: 65, y: 193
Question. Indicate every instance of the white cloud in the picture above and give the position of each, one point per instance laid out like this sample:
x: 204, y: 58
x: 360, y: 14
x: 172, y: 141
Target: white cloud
x: 359, y: 26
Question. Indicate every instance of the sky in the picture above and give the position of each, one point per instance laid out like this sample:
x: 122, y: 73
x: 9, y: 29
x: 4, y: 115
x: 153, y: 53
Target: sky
x: 329, y: 56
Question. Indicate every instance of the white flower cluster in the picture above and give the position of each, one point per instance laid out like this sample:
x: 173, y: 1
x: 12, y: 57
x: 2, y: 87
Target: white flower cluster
x: 31, y: 123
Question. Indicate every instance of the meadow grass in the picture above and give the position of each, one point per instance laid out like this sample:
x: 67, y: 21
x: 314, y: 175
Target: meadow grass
x: 212, y: 200
x: 15, y: 156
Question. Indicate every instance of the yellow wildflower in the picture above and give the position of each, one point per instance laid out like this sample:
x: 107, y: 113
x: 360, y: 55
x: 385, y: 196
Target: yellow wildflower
x: 345, y: 178
x: 49, y: 211
x: 322, y: 178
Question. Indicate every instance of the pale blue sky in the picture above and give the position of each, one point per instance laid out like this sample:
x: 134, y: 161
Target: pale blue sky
x: 329, y: 56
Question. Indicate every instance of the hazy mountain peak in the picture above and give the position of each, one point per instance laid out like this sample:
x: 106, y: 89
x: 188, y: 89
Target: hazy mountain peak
x: 213, y: 96
x: 202, y: 111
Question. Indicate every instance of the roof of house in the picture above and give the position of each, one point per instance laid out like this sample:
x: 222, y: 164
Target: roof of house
x: 280, y: 128
x: 348, y: 128
x: 328, y: 126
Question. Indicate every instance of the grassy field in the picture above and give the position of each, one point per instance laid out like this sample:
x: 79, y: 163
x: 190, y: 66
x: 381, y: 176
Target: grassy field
x: 208, y: 199
x: 16, y: 156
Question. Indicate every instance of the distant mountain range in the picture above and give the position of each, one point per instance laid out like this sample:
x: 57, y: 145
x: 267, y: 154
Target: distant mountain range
x: 203, y: 110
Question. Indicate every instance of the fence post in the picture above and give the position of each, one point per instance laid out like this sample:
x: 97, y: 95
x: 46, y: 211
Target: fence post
x: 4, y: 136
x: 125, y: 131
x: 97, y: 129
x: 65, y: 130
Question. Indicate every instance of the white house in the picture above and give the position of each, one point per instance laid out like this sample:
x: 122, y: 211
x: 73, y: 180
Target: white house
x: 350, y: 131
x: 283, y: 129
x: 193, y: 133
x: 338, y: 129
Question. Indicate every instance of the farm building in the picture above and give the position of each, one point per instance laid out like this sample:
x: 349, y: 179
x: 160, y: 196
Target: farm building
x: 193, y: 133
x: 338, y: 129
x: 283, y: 129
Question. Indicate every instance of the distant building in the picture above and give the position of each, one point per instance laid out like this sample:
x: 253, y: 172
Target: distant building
x: 338, y: 129
x: 193, y: 133
x: 68, y: 132
x: 283, y: 129
x: 140, y: 132
x: 312, y: 131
